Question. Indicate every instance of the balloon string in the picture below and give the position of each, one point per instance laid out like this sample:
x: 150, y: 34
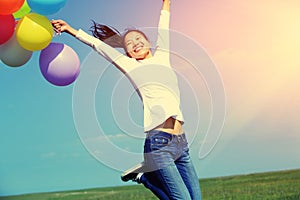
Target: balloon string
x: 56, y: 32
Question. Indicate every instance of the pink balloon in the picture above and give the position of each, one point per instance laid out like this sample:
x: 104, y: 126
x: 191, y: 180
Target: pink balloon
x: 59, y: 64
x: 7, y: 27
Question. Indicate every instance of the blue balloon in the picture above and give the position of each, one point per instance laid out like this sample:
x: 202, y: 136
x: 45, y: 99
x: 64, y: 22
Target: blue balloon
x: 46, y: 7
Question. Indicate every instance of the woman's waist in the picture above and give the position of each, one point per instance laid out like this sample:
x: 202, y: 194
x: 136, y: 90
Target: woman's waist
x: 170, y: 125
x: 156, y: 135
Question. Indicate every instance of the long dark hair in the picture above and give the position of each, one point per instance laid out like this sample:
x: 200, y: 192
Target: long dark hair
x: 110, y: 35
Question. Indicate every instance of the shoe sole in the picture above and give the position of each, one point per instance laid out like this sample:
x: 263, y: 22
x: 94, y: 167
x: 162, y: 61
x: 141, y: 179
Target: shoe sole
x: 134, y: 170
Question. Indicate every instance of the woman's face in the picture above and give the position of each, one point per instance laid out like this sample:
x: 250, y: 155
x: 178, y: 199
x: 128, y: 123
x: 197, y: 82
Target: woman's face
x: 137, y: 46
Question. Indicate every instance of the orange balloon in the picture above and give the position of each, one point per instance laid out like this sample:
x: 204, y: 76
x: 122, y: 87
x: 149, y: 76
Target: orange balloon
x: 10, y: 6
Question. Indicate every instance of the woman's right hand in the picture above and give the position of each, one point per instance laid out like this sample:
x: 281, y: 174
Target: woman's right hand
x: 62, y: 26
x: 166, y: 5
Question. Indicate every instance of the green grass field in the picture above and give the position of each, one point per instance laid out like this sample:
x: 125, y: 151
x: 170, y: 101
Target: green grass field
x: 282, y: 185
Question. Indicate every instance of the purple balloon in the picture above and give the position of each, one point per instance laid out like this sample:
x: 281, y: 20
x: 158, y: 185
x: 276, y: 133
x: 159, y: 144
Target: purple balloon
x: 59, y: 64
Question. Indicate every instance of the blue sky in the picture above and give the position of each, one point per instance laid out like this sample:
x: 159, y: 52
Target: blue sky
x: 41, y: 148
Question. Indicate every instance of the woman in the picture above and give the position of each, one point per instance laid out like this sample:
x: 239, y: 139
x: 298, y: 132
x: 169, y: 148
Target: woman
x: 167, y: 169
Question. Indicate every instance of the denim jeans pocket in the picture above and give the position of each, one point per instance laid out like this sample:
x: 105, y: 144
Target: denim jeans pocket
x: 158, y: 142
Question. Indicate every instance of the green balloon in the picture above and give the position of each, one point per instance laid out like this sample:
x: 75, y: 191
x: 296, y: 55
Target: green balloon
x: 24, y: 10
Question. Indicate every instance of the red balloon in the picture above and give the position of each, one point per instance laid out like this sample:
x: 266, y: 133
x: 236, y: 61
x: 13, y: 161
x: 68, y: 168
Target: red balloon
x: 7, y: 27
x: 10, y: 6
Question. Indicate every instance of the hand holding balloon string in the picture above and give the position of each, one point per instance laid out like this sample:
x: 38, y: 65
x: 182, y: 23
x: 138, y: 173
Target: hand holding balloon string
x: 56, y: 27
x: 60, y: 26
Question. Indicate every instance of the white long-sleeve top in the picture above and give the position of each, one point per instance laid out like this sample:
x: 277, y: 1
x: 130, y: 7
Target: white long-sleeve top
x: 153, y: 78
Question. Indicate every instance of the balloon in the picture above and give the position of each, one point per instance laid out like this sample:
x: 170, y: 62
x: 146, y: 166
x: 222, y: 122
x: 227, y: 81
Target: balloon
x: 46, y: 7
x: 59, y: 64
x: 10, y: 6
x: 12, y: 54
x: 7, y: 27
x: 24, y: 10
x: 34, y: 32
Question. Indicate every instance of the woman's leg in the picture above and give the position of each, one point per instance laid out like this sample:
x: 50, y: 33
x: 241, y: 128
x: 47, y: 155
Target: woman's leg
x: 171, y: 183
x: 189, y: 176
x: 153, y: 185
x: 163, y: 178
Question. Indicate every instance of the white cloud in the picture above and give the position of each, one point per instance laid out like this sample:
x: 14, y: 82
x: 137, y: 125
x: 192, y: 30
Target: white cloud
x: 48, y: 155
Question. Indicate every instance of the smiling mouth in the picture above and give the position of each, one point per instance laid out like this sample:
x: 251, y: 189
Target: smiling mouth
x: 138, y: 48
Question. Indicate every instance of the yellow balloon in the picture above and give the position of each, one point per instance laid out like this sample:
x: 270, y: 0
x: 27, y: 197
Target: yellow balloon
x: 34, y: 32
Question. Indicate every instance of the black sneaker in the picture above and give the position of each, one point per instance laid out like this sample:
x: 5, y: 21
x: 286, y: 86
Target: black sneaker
x: 133, y: 174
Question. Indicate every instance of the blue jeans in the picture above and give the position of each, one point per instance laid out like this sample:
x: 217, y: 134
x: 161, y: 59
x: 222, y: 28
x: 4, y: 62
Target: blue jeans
x: 169, y: 172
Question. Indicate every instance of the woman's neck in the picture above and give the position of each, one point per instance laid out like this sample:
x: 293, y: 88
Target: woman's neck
x: 148, y: 55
